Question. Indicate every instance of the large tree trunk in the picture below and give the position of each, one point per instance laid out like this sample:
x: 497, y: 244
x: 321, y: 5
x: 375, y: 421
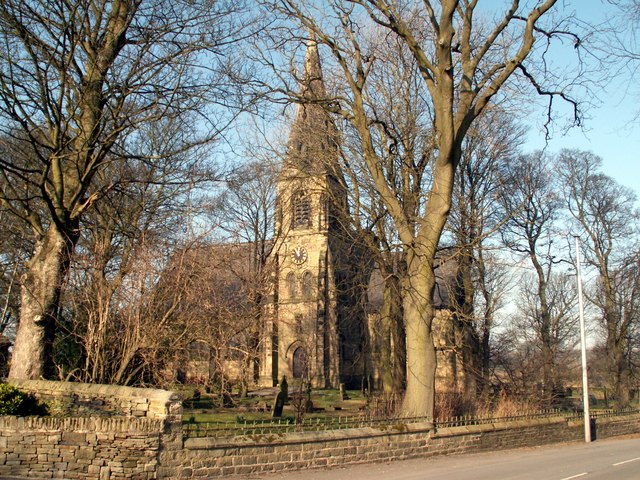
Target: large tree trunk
x: 399, y: 353
x: 466, y: 337
x: 485, y: 354
x: 40, y: 302
x: 616, y: 340
x: 621, y: 374
x: 392, y: 353
x: 485, y: 330
x: 544, y: 328
x: 419, y: 399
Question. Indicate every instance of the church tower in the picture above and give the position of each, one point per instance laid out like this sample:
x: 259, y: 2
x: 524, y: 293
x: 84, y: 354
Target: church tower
x: 311, y: 338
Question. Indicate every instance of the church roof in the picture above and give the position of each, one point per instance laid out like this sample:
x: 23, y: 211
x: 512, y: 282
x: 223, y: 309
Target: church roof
x: 445, y: 282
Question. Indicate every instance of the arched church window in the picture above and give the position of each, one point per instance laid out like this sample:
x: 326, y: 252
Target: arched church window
x: 291, y: 285
x: 301, y: 210
x: 298, y: 323
x: 306, y: 285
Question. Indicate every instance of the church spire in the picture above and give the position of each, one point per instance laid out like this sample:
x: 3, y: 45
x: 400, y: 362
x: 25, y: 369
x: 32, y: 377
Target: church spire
x: 312, y: 147
x: 312, y: 85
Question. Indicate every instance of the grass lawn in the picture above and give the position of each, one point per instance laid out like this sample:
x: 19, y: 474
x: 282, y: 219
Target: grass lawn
x: 258, y: 406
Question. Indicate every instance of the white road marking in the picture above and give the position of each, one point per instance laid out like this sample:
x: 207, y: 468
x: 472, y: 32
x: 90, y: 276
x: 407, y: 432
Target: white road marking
x: 576, y: 476
x: 626, y: 461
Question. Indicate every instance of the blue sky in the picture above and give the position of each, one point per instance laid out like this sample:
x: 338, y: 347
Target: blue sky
x: 612, y: 132
x: 612, y: 127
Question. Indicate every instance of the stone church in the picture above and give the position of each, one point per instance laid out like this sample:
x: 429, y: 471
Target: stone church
x: 316, y: 329
x: 320, y: 324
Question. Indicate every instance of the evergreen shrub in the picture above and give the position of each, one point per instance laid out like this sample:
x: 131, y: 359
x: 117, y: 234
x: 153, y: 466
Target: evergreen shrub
x: 13, y: 401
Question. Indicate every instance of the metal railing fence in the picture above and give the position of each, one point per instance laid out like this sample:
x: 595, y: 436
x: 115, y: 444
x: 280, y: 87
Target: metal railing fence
x: 316, y: 424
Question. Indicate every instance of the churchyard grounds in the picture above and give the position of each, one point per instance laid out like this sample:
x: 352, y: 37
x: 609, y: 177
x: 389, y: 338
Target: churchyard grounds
x: 207, y: 414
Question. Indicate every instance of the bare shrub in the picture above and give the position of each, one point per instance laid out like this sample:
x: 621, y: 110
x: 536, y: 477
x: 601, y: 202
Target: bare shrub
x: 453, y: 404
x: 383, y: 405
x: 507, y: 406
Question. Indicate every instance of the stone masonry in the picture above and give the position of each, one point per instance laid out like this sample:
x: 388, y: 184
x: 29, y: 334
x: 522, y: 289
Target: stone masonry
x: 211, y: 458
x: 107, y: 432
x: 147, y: 442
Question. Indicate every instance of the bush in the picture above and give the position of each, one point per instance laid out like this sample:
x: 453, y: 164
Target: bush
x: 453, y: 404
x: 508, y: 406
x: 16, y: 402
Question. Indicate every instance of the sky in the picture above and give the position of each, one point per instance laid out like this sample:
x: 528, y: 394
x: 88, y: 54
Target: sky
x: 613, y: 133
x: 611, y: 128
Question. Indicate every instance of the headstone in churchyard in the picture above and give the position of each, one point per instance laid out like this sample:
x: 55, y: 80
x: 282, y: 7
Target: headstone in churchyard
x: 278, y: 405
x: 284, y: 388
x: 227, y: 400
x: 308, y: 406
x: 343, y: 392
x: 280, y: 399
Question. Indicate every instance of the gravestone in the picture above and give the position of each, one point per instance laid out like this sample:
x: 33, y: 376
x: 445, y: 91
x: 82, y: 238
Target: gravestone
x: 343, y: 392
x: 278, y: 405
x: 284, y: 388
x: 308, y: 405
x: 280, y: 399
x: 227, y: 400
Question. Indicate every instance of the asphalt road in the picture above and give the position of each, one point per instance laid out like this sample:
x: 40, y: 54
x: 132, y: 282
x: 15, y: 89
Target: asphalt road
x: 612, y: 459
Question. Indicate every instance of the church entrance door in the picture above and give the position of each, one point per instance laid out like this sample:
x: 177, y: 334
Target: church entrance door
x: 299, y: 363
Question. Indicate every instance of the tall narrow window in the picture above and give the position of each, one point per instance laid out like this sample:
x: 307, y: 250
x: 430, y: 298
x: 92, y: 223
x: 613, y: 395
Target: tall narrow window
x: 306, y: 285
x: 323, y: 211
x: 301, y: 210
x: 298, y: 321
x: 291, y: 285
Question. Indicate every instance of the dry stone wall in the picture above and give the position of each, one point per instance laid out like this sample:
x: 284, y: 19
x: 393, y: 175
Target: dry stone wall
x: 210, y: 457
x: 108, y: 432
x: 137, y: 434
x: 70, y: 448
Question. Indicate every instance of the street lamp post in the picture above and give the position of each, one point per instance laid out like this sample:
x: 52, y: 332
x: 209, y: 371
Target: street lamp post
x: 583, y: 345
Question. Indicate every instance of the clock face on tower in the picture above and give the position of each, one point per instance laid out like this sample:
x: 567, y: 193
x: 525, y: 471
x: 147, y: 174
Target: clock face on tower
x: 299, y: 255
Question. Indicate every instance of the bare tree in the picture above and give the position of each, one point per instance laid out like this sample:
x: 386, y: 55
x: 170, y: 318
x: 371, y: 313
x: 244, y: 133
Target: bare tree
x: 623, y: 360
x: 529, y: 194
x: 223, y: 325
x: 554, y: 335
x: 248, y: 206
x: 476, y: 217
x: 249, y: 217
x: 76, y: 81
x: 14, y: 247
x: 619, y: 40
x: 147, y: 213
x: 463, y: 64
x: 402, y: 136
x: 605, y: 216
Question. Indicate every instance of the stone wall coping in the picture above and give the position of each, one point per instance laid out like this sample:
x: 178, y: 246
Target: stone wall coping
x: 497, y: 426
x: 81, y: 424
x: 294, y: 438
x: 204, y: 443
x: 94, y: 390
